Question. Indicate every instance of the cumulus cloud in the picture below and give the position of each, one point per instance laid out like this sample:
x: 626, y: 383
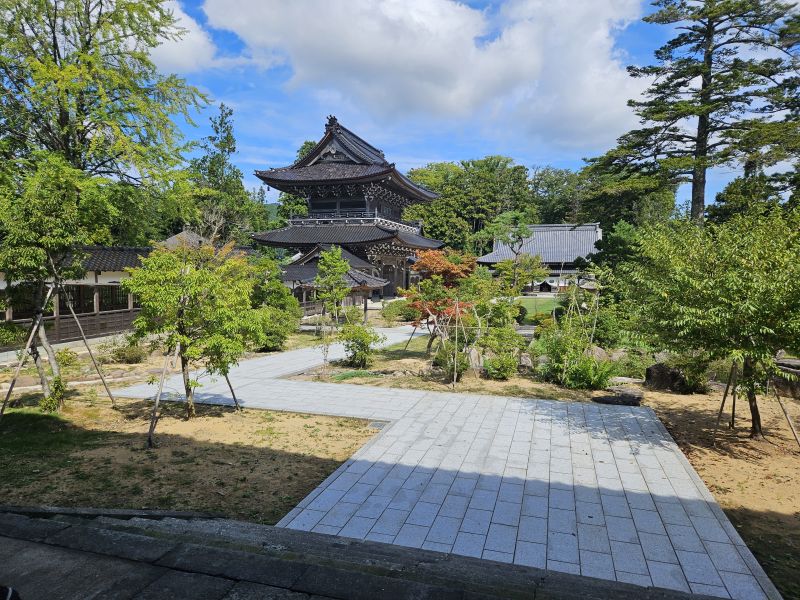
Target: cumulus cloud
x: 193, y: 52
x: 548, y: 67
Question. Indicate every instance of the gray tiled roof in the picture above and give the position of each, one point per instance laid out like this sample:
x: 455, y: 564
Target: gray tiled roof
x: 555, y: 244
x: 357, y: 161
x: 305, y: 274
x: 298, y: 236
x: 113, y: 258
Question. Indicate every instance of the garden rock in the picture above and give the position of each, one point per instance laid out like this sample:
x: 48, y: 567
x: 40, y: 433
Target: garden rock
x: 622, y: 395
x: 663, y: 377
x: 597, y: 353
x: 525, y: 361
x: 475, y: 359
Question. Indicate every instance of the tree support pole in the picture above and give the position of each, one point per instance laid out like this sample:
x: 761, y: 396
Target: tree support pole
x: 154, y: 415
x: 230, y: 387
x: 34, y: 329
x: 788, y: 417
x: 413, y: 331
x: 731, y: 379
x: 80, y: 329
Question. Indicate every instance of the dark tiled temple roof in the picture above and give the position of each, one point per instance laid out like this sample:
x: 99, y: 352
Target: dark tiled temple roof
x: 325, y: 172
x: 555, y: 244
x: 304, y: 275
x: 343, y: 235
x: 342, y: 157
x: 113, y: 258
x: 312, y: 255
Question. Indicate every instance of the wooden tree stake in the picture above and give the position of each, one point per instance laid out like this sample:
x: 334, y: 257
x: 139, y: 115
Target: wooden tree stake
x: 88, y: 348
x: 230, y: 387
x: 731, y: 379
x: 788, y: 417
x: 34, y: 330
x: 154, y: 416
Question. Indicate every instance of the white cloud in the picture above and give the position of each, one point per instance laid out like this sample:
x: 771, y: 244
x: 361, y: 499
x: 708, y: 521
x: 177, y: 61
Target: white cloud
x: 543, y: 68
x: 193, y: 52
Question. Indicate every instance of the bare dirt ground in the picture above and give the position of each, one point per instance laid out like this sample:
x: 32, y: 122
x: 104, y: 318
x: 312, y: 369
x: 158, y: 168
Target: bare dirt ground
x: 757, y: 483
x: 253, y: 465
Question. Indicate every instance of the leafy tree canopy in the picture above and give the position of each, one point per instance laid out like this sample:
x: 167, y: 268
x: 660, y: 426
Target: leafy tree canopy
x: 288, y: 204
x: 198, y: 300
x: 76, y: 78
x: 730, y: 290
x: 472, y: 193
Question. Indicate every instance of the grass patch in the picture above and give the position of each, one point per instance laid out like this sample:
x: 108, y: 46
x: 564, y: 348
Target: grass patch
x: 353, y: 374
x: 534, y: 305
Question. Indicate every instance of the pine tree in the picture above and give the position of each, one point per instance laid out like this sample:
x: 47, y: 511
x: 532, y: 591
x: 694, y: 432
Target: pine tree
x: 720, y: 89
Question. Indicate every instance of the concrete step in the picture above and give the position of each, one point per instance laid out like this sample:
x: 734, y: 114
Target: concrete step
x: 57, y: 558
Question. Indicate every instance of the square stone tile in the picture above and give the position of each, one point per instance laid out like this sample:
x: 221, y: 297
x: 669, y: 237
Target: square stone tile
x: 501, y: 538
x: 531, y: 554
x: 597, y: 564
x: 454, y: 506
x: 532, y: 529
x: 593, y: 537
x: 668, y: 576
x: 562, y: 547
x: 444, y: 530
x: 698, y: 568
x: 657, y: 548
x: 412, y: 536
x: 469, y: 544
x: 476, y: 521
x: 506, y: 513
x: 628, y: 558
x: 563, y: 521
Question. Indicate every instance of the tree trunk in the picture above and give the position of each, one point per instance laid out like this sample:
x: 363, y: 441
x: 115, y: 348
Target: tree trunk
x: 51, y: 355
x: 703, y: 128
x: 37, y: 360
x: 187, y: 386
x: 756, y: 432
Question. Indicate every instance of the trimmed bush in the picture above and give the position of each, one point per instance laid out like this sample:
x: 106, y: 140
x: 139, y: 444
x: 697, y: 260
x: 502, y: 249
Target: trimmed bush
x: 359, y: 342
x: 66, y: 358
x: 399, y: 310
x: 501, y: 367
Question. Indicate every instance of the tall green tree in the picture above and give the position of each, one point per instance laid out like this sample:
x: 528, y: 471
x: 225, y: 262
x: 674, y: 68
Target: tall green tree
x: 76, y: 78
x: 227, y: 210
x: 719, y: 90
x: 329, y: 283
x: 198, y: 301
x: 727, y: 291
x: 472, y: 193
x: 290, y: 205
x: 556, y: 193
x: 43, y: 228
x: 611, y: 193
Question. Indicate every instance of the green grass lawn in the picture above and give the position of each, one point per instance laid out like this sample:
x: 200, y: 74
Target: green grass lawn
x: 537, y: 305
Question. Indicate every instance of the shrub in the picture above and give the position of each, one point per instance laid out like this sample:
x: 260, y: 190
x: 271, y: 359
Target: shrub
x: 453, y: 362
x: 588, y: 373
x: 501, y: 367
x: 53, y: 402
x: 121, y: 350
x: 399, y: 310
x: 502, y: 340
x: 522, y: 312
x: 66, y: 358
x: 276, y: 324
x: 359, y: 342
x: 11, y: 335
x: 567, y: 363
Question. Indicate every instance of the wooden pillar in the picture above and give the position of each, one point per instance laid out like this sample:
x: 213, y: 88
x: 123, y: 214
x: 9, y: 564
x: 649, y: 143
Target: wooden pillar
x: 96, y: 294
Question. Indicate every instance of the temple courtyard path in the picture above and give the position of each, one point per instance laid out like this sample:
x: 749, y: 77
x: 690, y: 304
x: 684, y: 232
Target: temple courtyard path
x: 584, y: 488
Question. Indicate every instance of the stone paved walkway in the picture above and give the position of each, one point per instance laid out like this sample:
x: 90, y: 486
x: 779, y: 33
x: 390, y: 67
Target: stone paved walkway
x: 582, y: 488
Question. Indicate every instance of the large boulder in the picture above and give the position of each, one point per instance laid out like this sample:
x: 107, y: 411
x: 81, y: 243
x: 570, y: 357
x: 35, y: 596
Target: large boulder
x: 525, y: 361
x: 663, y: 377
x: 475, y: 359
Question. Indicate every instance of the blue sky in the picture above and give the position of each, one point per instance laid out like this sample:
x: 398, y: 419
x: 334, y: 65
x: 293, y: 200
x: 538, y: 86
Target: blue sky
x: 542, y: 81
